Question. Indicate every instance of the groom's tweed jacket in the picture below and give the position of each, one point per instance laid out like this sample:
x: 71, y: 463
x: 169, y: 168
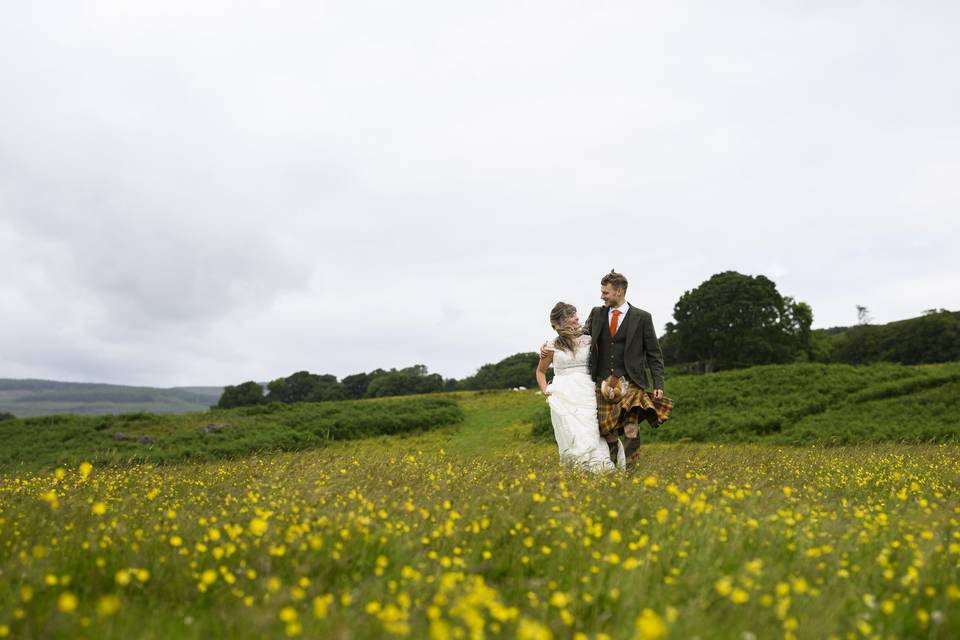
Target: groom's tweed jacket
x: 632, y: 351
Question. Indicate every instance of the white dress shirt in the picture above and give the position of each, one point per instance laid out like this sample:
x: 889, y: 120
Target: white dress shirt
x: 623, y: 313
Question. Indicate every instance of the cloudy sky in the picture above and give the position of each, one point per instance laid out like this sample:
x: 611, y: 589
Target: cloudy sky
x: 210, y: 192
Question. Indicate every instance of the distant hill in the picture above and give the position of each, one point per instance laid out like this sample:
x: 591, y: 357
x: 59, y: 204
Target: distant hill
x: 928, y: 339
x: 26, y: 398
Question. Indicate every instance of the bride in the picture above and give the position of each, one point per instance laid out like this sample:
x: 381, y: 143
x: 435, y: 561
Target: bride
x: 572, y: 394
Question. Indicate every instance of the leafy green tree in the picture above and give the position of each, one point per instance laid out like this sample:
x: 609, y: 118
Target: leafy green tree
x: 7, y: 416
x: 241, y: 395
x: 326, y: 388
x: 734, y: 320
x: 406, y: 381
x: 304, y: 386
x: 517, y: 370
x: 355, y: 386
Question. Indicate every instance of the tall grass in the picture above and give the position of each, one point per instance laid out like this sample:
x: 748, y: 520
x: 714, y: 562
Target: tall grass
x: 811, y: 403
x: 45, y: 442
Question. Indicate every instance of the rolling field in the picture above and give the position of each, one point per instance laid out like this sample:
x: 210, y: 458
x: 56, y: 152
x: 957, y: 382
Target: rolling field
x: 474, y: 531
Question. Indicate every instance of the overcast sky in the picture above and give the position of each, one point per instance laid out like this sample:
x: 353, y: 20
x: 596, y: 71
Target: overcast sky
x: 211, y: 192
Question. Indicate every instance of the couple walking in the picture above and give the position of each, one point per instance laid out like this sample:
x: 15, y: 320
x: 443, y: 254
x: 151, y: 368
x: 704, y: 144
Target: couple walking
x: 598, y: 393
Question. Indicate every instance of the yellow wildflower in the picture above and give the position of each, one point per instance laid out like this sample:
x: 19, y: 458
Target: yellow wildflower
x: 649, y: 626
x: 724, y: 586
x: 258, y: 526
x: 107, y: 606
x: 67, y: 602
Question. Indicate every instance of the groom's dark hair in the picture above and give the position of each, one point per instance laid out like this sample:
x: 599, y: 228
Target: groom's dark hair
x: 616, y: 280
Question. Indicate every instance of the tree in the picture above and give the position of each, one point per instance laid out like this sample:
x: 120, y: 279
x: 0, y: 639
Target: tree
x: 863, y: 315
x: 517, y: 370
x: 304, y: 386
x: 7, y: 416
x: 407, y: 381
x: 241, y: 395
x: 734, y: 320
x: 355, y: 386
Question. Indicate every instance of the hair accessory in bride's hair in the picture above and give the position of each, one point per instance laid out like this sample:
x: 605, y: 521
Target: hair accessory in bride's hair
x: 613, y: 388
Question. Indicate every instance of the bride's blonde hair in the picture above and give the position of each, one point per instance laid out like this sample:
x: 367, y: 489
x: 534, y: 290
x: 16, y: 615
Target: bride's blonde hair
x: 566, y: 337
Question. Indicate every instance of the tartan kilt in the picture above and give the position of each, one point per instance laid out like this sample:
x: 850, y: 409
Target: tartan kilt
x: 635, y: 405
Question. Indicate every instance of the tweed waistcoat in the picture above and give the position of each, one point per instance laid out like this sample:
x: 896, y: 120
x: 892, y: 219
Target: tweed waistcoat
x: 610, y: 357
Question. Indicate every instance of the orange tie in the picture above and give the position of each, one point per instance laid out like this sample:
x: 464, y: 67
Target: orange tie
x: 615, y: 322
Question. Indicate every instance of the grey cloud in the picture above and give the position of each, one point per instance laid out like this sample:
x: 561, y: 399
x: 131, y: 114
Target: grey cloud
x: 211, y: 192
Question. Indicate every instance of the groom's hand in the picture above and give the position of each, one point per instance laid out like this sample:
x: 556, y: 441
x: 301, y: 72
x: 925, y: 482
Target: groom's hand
x: 658, y: 394
x: 544, y: 352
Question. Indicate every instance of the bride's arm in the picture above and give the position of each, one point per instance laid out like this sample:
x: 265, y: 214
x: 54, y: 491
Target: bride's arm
x: 542, y: 372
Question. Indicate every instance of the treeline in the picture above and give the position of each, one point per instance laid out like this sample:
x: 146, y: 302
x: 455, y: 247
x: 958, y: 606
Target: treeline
x: 731, y: 321
x: 514, y: 371
x: 931, y: 338
x: 734, y: 321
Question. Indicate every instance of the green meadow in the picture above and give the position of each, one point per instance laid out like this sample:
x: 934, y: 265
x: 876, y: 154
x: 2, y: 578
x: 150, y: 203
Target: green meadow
x: 454, y: 520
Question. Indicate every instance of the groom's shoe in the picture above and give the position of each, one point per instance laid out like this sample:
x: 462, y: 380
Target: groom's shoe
x: 632, y: 451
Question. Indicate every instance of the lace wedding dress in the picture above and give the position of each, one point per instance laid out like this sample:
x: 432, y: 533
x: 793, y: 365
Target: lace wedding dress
x: 573, y: 410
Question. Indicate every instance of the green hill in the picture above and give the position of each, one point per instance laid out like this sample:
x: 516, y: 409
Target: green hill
x: 931, y: 338
x: 26, y: 398
x: 805, y: 403
x: 47, y: 441
x: 779, y: 404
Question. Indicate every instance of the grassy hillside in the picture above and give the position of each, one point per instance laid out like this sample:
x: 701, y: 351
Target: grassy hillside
x: 789, y: 404
x: 26, y: 398
x: 805, y: 403
x: 477, y: 531
x: 931, y: 338
x: 48, y: 441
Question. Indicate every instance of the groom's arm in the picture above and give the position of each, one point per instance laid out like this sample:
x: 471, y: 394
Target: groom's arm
x: 588, y: 325
x: 653, y: 352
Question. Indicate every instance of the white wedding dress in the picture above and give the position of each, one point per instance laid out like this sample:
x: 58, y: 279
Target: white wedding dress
x: 573, y: 411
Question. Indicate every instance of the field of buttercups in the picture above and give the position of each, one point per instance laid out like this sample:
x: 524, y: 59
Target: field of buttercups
x: 477, y: 532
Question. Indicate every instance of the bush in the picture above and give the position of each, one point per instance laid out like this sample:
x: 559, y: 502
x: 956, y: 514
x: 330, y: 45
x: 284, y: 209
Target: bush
x: 68, y: 440
x: 517, y: 370
x: 805, y: 403
x: 543, y: 425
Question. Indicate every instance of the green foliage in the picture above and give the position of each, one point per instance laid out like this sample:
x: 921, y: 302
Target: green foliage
x: 245, y: 394
x: 412, y: 380
x: 355, y: 386
x: 7, y: 416
x: 931, y: 338
x: 733, y: 320
x: 68, y: 440
x: 304, y: 386
x: 429, y: 536
x: 543, y: 426
x: 805, y: 403
x: 809, y: 403
x: 517, y: 370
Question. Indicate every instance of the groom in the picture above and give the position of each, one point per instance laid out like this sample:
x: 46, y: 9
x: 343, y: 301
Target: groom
x: 623, y: 345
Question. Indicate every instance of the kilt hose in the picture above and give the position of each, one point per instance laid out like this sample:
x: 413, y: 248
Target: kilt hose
x: 623, y: 416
